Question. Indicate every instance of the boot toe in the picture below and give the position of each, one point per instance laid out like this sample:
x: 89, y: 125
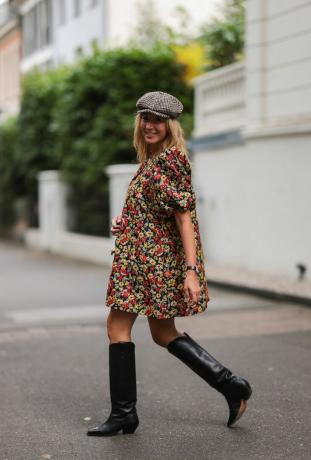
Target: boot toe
x: 102, y: 431
x: 94, y: 431
x: 237, y: 409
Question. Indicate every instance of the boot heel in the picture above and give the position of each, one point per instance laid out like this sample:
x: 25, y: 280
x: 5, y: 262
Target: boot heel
x: 129, y: 428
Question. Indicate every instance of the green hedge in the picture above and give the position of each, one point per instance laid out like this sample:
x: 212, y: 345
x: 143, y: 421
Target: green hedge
x: 9, y: 175
x: 80, y: 119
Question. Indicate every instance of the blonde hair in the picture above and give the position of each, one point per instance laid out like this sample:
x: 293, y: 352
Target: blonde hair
x: 174, y: 138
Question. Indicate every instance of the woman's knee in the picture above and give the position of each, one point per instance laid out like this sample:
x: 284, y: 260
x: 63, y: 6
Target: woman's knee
x: 159, y: 339
x: 164, y: 339
x: 119, y: 325
x: 163, y: 331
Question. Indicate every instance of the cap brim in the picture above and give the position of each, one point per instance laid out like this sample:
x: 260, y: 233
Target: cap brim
x: 159, y: 114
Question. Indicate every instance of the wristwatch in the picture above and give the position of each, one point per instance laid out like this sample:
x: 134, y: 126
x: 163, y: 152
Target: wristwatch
x: 193, y: 267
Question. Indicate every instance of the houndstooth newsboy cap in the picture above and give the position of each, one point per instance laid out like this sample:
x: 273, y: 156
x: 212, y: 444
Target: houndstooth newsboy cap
x: 162, y: 104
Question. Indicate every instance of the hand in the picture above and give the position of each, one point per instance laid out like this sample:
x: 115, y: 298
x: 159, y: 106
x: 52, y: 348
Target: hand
x: 116, y: 225
x: 192, y: 287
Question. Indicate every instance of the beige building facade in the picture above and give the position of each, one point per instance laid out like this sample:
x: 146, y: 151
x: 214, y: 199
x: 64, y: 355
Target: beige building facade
x: 10, y: 58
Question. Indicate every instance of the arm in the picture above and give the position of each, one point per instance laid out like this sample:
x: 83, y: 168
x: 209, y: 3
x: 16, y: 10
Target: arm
x: 185, y: 227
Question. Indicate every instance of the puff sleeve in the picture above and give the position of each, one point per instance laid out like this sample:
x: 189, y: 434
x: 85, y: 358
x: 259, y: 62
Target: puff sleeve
x: 172, y: 182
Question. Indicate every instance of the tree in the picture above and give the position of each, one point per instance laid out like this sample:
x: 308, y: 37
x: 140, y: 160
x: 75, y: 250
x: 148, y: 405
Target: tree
x: 223, y: 35
x: 151, y: 32
x: 154, y: 35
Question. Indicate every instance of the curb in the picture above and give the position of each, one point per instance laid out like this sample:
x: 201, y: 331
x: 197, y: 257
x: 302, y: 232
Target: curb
x: 262, y: 292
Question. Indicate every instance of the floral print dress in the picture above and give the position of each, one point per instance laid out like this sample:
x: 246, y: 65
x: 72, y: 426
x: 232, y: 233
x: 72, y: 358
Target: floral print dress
x: 149, y: 264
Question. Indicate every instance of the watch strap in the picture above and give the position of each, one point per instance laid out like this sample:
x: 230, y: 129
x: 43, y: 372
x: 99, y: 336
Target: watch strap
x: 192, y: 267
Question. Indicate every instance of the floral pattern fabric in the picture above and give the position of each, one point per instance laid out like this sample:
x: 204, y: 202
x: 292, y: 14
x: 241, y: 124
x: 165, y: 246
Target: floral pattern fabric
x: 149, y: 265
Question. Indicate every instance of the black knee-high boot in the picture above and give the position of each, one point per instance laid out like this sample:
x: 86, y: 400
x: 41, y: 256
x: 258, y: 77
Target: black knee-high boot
x: 123, y: 393
x: 235, y: 389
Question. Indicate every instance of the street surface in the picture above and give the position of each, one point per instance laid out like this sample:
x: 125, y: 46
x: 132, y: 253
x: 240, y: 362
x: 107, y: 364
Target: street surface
x: 54, y: 379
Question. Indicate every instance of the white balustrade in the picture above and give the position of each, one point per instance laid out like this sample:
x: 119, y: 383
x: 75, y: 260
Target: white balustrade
x: 220, y: 100
x: 52, y: 234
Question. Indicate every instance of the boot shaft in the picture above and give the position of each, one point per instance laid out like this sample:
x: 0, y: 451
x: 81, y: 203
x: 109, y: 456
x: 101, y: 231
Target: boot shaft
x: 122, y: 372
x: 199, y: 360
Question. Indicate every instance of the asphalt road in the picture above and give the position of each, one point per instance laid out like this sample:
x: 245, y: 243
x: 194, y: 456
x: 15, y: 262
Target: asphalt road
x: 54, y: 380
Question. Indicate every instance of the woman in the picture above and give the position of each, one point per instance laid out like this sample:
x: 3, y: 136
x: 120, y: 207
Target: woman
x: 158, y: 266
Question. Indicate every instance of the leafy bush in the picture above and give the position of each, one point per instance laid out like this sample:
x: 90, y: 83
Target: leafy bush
x: 8, y: 175
x: 79, y: 120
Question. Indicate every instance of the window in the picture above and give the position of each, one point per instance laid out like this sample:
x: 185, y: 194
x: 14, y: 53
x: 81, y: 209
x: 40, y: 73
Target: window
x: 61, y: 12
x: 46, y: 65
x: 94, y: 45
x: 79, y: 52
x: 44, y: 20
x: 37, y: 27
x: 77, y: 8
x: 30, y: 36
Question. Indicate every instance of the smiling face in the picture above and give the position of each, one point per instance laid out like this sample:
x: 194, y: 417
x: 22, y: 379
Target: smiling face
x: 153, y: 128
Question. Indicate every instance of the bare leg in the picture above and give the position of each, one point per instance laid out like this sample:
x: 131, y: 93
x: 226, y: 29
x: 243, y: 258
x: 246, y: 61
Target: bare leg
x: 119, y: 325
x: 163, y: 330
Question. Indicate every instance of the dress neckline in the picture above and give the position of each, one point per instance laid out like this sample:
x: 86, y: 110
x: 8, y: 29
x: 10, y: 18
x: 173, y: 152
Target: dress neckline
x: 145, y: 163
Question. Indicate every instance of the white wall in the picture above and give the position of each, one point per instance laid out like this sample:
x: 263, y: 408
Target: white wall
x: 78, y: 31
x: 278, y: 61
x: 255, y: 206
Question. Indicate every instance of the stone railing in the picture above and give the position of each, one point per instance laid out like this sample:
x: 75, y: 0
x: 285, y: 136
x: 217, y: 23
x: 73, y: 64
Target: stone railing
x: 52, y: 234
x: 220, y: 100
